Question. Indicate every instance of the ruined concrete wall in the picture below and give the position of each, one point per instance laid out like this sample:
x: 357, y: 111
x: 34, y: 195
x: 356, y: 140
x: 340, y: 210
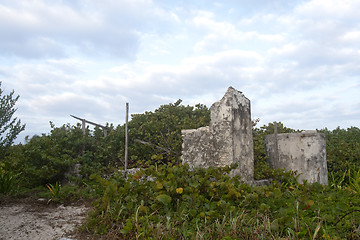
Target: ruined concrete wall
x: 227, y: 140
x: 197, y: 148
x: 303, y: 152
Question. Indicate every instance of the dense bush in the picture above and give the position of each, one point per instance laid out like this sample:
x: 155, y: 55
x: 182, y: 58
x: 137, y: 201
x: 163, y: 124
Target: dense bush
x: 45, y: 158
x: 207, y: 204
x: 159, y: 132
x: 343, y: 149
x: 155, y: 137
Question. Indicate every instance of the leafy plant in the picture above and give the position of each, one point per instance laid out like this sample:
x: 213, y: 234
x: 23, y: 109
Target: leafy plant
x: 7, y: 181
x: 207, y: 204
x: 55, y: 190
x: 350, y: 179
x: 336, y: 181
x: 354, y: 180
x: 343, y: 150
x: 156, y: 136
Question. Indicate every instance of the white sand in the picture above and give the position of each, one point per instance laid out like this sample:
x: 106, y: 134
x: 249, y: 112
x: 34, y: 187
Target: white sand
x: 39, y: 221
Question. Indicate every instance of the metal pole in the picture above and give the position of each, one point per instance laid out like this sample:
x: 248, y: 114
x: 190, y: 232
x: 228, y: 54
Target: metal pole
x: 126, y: 136
x: 83, y: 131
x: 83, y: 127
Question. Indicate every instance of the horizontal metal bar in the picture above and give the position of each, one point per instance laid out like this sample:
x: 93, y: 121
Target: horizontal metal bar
x: 82, y: 119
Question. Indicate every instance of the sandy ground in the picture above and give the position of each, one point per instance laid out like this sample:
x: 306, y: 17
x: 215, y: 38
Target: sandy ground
x: 40, y: 221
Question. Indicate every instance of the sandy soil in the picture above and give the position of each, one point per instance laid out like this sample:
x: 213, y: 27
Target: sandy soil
x: 39, y: 220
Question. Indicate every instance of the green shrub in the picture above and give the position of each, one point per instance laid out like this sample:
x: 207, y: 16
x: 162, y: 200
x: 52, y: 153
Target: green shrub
x: 7, y: 181
x: 343, y: 150
x: 207, y: 204
x: 159, y: 132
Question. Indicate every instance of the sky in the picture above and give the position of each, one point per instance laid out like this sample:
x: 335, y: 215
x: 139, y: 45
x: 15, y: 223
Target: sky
x: 297, y: 61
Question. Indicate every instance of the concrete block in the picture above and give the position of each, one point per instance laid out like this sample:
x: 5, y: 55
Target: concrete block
x: 303, y: 152
x: 227, y: 140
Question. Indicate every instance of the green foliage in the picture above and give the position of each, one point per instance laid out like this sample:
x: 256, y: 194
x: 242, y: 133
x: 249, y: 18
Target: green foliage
x: 7, y: 181
x: 179, y: 203
x: 67, y: 193
x: 336, y: 181
x: 211, y: 205
x: 343, y: 149
x: 354, y: 180
x: 49, y: 158
x: 10, y: 127
x: 55, y: 190
x: 350, y: 179
x: 46, y: 159
x: 159, y: 132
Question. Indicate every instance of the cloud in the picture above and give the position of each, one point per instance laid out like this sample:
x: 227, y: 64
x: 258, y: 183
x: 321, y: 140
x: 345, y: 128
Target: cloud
x: 195, y: 75
x: 351, y: 37
x: 58, y: 88
x: 40, y: 29
x: 337, y: 9
x: 298, y: 62
x: 224, y: 35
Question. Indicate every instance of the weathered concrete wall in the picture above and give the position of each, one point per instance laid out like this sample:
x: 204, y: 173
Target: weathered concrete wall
x: 197, y: 147
x: 227, y: 140
x: 303, y: 152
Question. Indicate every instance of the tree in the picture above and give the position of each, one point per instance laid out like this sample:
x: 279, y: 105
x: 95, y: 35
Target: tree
x: 10, y: 127
x: 156, y: 135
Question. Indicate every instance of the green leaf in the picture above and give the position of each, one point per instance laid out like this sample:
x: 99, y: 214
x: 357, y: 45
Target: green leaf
x: 277, y: 192
x: 164, y: 199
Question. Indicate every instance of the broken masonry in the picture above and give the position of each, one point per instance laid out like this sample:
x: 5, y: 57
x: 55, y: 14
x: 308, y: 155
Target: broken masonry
x: 228, y: 140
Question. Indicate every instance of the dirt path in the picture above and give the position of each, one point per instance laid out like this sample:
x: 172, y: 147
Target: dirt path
x: 38, y: 220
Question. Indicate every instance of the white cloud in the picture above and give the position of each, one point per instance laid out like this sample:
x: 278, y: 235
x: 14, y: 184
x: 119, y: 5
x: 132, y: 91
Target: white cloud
x: 298, y: 61
x: 351, y: 36
x: 323, y: 9
x: 42, y: 29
